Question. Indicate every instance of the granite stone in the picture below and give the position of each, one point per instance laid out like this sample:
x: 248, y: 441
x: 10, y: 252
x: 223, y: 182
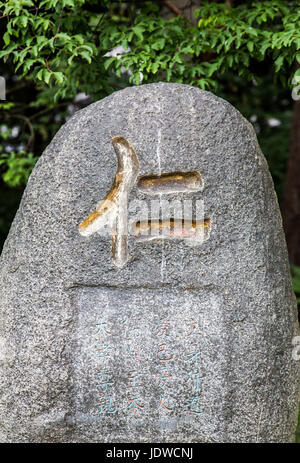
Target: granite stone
x: 184, y: 343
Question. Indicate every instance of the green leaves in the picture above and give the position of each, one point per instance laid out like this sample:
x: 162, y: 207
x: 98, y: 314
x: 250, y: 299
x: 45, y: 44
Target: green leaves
x: 59, y: 76
x: 18, y: 167
x: 138, y: 31
x: 6, y: 38
x: 250, y: 46
x: 6, y: 107
x: 109, y: 61
x: 159, y: 44
x: 279, y: 62
x: 64, y: 44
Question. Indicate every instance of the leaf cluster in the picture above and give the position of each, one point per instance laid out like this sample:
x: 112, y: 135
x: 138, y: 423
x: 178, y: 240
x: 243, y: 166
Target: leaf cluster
x: 66, y: 44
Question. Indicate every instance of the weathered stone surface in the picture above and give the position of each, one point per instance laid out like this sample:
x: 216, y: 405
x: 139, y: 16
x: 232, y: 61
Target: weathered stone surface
x: 219, y: 317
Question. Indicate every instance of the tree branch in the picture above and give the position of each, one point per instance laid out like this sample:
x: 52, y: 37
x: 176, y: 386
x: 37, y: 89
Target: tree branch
x: 32, y: 136
x: 44, y: 111
x: 172, y: 7
x: 16, y: 88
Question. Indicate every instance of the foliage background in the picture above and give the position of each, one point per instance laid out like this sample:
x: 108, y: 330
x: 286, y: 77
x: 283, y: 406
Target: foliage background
x: 59, y: 55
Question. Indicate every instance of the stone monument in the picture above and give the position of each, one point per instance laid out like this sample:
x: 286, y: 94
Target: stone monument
x: 145, y: 290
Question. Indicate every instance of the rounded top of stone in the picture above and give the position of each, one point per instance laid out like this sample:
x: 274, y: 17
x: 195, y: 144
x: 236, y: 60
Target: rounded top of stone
x: 172, y: 128
x: 163, y: 88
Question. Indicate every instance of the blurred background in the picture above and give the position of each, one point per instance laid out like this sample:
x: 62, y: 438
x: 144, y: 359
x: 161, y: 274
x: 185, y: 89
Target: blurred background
x: 58, y: 56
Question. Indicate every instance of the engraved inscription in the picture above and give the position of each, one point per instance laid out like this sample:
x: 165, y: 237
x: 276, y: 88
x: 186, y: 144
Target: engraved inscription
x: 112, y: 212
x: 145, y: 370
x: 173, y: 182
